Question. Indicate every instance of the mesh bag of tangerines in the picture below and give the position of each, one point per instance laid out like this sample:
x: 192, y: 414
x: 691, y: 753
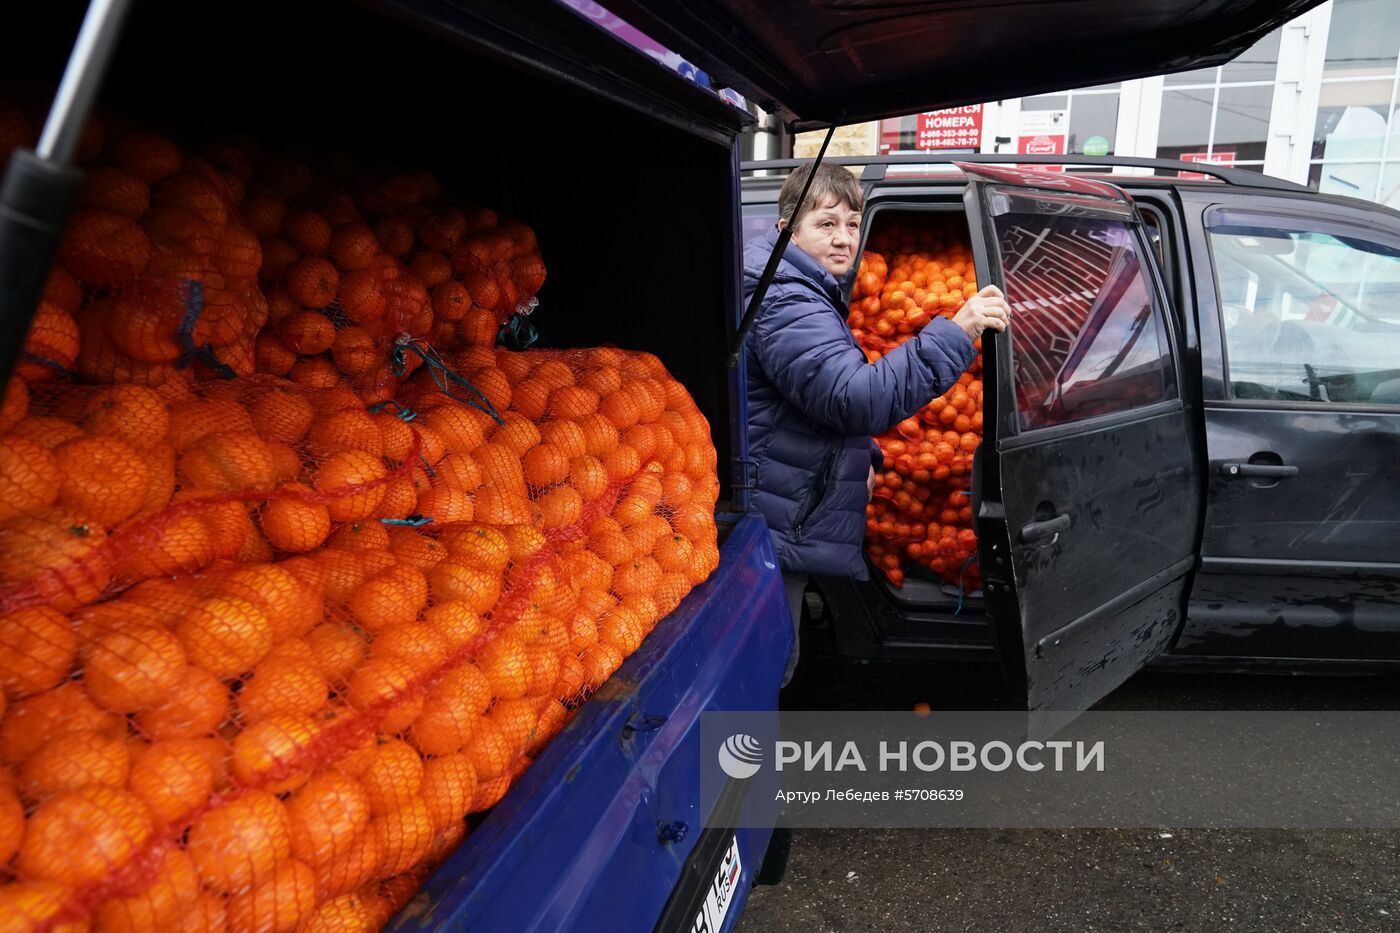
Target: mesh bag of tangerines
x: 297, y: 568
x: 921, y: 509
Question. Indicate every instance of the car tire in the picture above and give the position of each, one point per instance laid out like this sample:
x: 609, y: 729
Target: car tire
x: 775, y: 860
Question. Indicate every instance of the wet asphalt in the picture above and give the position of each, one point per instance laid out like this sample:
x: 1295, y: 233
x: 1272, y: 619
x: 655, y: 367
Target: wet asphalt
x: 1037, y: 881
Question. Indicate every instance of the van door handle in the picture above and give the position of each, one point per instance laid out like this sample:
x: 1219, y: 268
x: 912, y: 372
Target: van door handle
x: 1037, y: 531
x: 1258, y: 470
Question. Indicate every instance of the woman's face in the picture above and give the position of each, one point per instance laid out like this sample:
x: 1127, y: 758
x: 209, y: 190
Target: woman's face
x: 830, y: 234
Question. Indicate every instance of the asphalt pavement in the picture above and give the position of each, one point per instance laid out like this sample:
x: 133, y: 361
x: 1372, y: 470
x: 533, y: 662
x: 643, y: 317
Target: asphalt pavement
x: 1038, y: 881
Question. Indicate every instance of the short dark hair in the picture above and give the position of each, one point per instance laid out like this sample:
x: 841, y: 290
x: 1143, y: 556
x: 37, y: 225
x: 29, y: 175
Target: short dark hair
x: 832, y: 183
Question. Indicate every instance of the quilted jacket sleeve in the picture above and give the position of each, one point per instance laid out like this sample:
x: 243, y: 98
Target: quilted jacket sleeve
x: 805, y: 349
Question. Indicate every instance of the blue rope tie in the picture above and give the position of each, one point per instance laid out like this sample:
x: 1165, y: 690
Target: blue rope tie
x: 427, y: 466
x: 972, y: 558
x: 194, y: 304
x: 442, y: 375
x: 63, y: 371
x: 413, y: 521
x: 517, y: 333
x: 404, y: 413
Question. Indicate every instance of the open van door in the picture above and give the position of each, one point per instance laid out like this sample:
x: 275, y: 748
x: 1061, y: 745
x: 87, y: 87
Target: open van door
x: 1087, y: 490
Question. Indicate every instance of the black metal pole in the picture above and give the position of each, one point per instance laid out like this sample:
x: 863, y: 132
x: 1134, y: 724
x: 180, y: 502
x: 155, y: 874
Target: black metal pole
x: 41, y: 188
x: 775, y: 257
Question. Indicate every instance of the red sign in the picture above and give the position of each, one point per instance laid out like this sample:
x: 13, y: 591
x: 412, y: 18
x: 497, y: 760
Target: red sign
x: 1042, y: 144
x: 954, y: 128
x: 1218, y: 157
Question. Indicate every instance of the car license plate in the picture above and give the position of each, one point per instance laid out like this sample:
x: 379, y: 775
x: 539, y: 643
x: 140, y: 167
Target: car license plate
x: 710, y: 917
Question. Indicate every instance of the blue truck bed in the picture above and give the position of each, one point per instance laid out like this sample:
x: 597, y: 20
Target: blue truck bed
x: 577, y: 843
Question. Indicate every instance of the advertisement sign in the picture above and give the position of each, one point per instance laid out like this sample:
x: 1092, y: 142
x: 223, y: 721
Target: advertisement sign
x: 954, y: 128
x: 1096, y: 146
x: 1219, y: 157
x: 1043, y: 132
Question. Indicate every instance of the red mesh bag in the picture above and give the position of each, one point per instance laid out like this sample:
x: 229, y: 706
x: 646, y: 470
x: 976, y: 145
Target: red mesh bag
x: 266, y: 642
x: 362, y: 282
x: 921, y: 510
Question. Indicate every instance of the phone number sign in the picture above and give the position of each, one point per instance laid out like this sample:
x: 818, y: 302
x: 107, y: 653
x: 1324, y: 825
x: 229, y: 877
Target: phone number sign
x: 954, y: 128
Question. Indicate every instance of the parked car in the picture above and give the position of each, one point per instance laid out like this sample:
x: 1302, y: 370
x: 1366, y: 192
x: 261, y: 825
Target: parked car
x: 544, y: 114
x: 1242, y: 511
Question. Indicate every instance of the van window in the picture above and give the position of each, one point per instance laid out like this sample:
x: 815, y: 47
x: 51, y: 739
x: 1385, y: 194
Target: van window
x: 758, y: 219
x: 1309, y: 316
x: 1088, y: 334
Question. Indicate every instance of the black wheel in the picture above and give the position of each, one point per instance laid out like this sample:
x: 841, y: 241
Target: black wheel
x: 775, y: 860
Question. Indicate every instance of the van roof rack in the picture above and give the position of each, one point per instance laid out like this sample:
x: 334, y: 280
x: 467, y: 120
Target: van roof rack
x: 876, y: 166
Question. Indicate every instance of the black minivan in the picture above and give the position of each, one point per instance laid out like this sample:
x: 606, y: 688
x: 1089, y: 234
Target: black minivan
x: 1197, y: 405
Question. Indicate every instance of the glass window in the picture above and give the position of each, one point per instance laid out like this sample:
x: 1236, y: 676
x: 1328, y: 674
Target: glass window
x: 1222, y: 114
x: 1087, y: 333
x: 1185, y: 125
x: 1258, y: 63
x: 1093, y: 115
x: 1351, y: 120
x: 1242, y: 122
x: 1309, y: 316
x: 1356, y: 138
x: 1361, y: 38
x: 1199, y: 76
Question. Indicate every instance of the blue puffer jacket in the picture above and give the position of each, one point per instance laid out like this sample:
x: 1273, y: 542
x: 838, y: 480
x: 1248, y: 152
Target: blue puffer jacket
x: 814, y: 402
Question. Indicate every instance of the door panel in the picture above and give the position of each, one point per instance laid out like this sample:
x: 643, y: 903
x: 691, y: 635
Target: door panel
x: 1301, y: 559
x: 1123, y: 500
x: 1088, y: 496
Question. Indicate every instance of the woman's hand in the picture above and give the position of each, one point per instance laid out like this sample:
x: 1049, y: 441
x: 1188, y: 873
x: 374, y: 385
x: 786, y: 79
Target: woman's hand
x: 986, y: 310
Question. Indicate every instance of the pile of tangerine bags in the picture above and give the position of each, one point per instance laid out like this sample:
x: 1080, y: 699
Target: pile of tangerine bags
x: 297, y: 568
x: 921, y: 511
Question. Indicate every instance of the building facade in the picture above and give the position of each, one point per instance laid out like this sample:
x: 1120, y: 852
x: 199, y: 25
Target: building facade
x: 1315, y: 102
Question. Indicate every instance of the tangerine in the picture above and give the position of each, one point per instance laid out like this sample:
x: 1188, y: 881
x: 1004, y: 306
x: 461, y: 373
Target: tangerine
x: 72, y: 760
x: 129, y: 670
x: 104, y: 479
x: 173, y: 778
x: 226, y: 636
x: 276, y: 904
x: 112, y: 825
x: 241, y: 842
x: 325, y: 816
x: 37, y: 650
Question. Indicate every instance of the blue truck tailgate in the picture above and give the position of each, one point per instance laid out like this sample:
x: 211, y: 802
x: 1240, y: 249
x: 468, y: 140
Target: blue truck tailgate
x: 595, y: 834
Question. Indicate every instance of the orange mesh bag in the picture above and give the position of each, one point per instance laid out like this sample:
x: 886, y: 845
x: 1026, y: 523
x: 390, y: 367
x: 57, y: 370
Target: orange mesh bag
x: 263, y: 649
x: 156, y: 279
x: 265, y: 642
x: 232, y: 262
x: 921, y: 510
x: 367, y: 283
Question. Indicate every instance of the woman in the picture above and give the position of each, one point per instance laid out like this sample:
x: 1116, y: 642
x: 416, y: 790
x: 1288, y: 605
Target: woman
x: 814, y: 400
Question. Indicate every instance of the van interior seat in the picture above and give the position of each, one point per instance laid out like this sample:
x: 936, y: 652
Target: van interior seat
x: 1387, y: 393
